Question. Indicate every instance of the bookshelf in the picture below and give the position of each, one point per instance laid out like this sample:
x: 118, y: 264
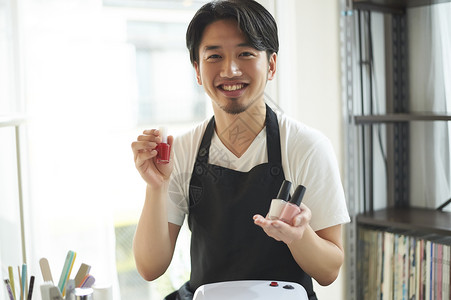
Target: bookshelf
x: 368, y: 128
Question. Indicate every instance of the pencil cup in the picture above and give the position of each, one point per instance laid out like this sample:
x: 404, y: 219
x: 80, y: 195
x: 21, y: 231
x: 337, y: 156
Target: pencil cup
x: 83, y: 294
x: 45, y: 290
x: 103, y: 292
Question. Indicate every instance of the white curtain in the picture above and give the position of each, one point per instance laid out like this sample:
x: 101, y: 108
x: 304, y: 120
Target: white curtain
x: 430, y: 91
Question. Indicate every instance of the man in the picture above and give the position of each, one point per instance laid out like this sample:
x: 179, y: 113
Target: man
x: 224, y: 173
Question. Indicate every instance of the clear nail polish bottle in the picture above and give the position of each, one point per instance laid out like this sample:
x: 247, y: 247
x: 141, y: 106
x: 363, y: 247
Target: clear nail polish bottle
x: 280, y: 201
x: 291, y: 209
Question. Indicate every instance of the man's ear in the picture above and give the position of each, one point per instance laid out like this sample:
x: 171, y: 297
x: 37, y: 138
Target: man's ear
x: 272, y: 66
x: 198, y: 78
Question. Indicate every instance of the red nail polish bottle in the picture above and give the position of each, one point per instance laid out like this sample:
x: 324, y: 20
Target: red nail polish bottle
x: 291, y: 209
x: 163, y: 149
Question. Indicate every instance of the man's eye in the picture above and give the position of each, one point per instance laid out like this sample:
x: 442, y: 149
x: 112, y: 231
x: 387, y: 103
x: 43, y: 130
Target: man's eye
x: 246, y: 54
x: 214, y: 56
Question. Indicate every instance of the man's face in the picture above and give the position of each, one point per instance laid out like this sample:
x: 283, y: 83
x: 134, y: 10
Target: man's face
x: 233, y: 73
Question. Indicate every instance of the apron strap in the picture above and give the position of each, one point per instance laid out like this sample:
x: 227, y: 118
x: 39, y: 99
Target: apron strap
x: 272, y: 137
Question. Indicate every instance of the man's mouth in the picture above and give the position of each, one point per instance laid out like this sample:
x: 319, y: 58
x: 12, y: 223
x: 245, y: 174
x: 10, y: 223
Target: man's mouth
x: 232, y: 87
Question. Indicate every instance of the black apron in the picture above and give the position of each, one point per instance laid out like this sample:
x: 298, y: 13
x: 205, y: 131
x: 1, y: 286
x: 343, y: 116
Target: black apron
x: 225, y: 243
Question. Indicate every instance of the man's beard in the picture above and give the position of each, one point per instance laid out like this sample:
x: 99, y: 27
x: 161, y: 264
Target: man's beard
x: 233, y: 107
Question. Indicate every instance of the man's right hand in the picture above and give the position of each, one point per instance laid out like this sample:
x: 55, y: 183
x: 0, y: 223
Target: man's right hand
x: 145, y: 153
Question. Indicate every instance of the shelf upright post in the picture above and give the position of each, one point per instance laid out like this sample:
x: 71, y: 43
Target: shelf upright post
x: 397, y: 102
x: 351, y: 160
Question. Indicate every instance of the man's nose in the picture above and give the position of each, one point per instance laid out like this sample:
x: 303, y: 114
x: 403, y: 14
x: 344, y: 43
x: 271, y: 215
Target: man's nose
x: 230, y: 68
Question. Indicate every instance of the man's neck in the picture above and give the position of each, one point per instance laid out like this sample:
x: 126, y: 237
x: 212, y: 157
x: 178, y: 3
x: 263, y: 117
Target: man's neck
x: 237, y: 132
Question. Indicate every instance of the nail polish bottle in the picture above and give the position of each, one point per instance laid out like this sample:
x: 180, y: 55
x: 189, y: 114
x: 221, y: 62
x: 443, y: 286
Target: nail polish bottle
x: 280, y: 201
x: 163, y: 148
x: 291, y: 209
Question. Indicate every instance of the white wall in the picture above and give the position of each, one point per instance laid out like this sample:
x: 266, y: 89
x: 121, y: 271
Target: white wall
x: 309, y: 64
x: 307, y: 85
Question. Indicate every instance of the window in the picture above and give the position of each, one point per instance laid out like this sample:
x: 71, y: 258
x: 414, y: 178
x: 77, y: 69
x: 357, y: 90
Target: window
x: 8, y: 58
x: 97, y: 74
x: 157, y: 45
x: 11, y: 125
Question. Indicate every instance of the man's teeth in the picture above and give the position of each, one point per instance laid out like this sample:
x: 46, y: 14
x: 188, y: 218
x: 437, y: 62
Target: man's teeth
x: 233, y: 87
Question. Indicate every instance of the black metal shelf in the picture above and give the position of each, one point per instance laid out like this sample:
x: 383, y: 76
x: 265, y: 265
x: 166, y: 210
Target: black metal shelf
x: 401, y: 117
x: 392, y: 6
x: 398, y: 215
x: 409, y: 218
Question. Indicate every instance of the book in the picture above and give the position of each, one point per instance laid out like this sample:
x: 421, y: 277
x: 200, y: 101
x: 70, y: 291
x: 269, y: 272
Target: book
x: 446, y: 271
x: 387, y: 272
x: 412, y: 265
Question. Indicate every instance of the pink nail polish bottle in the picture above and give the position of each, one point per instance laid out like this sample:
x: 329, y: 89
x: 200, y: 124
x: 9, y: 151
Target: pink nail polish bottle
x: 163, y: 149
x: 280, y: 201
x: 292, y: 208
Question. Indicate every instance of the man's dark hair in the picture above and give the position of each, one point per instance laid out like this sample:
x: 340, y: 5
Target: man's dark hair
x: 257, y: 24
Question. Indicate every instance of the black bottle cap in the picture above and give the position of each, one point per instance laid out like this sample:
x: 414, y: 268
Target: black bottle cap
x: 284, y: 192
x: 298, y: 195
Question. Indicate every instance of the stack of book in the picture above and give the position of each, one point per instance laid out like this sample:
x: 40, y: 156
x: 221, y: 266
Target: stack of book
x: 397, y: 264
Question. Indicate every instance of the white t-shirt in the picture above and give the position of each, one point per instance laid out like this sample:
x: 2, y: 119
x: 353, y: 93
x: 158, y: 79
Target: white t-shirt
x: 307, y: 158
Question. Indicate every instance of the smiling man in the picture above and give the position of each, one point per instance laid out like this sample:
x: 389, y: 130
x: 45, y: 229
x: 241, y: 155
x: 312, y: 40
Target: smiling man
x: 224, y: 172
x: 234, y: 74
